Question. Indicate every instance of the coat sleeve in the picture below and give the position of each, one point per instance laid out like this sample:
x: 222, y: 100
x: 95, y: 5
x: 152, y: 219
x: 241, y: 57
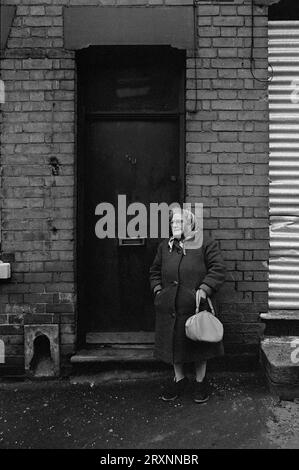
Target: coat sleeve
x: 155, y: 271
x: 216, y: 268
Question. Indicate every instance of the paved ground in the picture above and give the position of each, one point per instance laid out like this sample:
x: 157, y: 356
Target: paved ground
x: 129, y: 415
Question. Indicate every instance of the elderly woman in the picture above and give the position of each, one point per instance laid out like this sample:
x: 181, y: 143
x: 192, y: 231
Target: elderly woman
x: 175, y: 275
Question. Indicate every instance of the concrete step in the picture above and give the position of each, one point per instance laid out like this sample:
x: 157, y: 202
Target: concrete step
x: 116, y: 363
x: 280, y: 361
x: 114, y: 354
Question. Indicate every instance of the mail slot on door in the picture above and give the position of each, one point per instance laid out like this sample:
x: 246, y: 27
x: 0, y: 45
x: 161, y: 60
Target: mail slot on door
x: 132, y: 241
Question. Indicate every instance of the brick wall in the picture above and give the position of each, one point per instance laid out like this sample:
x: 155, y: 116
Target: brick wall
x: 226, y: 165
x: 227, y: 159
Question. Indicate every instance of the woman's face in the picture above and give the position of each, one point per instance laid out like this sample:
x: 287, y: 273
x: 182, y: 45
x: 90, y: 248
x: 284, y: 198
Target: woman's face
x: 177, y: 225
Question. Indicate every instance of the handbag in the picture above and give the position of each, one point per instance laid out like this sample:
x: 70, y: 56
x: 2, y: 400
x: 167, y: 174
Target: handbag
x: 203, y: 325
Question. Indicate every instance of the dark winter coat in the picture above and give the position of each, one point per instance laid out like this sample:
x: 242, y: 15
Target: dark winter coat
x: 179, y: 276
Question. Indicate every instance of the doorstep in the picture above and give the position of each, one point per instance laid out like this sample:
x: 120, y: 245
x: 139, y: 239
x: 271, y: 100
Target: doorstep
x: 130, y: 346
x: 105, y: 363
x: 114, y: 354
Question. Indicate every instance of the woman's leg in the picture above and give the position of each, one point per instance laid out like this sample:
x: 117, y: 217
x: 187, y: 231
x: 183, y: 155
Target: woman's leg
x: 177, y: 386
x: 200, y: 391
x: 200, y: 370
x: 178, y: 371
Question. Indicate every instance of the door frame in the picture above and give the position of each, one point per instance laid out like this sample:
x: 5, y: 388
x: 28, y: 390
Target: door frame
x: 82, y: 118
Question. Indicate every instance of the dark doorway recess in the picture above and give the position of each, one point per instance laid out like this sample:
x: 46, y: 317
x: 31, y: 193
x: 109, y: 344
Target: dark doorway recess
x: 130, y: 142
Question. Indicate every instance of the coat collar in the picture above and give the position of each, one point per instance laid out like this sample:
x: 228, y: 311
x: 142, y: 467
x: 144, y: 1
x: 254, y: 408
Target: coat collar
x: 181, y: 242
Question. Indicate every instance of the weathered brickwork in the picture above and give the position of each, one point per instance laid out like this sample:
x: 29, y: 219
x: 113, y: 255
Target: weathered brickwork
x: 227, y: 159
x: 226, y: 165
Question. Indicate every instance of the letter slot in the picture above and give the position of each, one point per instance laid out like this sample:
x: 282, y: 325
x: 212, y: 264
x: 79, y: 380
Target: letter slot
x: 131, y: 241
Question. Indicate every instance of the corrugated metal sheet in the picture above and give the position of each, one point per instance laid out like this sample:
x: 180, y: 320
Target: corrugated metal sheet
x: 284, y: 165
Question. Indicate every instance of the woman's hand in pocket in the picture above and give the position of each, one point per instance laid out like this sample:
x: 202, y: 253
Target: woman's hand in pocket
x: 157, y: 295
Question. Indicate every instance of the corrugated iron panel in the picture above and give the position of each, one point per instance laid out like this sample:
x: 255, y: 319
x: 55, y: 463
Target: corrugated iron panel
x: 284, y: 165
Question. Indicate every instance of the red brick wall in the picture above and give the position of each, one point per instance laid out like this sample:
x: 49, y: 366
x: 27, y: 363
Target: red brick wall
x: 226, y: 165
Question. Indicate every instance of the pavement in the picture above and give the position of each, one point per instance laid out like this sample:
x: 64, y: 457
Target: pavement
x: 128, y: 414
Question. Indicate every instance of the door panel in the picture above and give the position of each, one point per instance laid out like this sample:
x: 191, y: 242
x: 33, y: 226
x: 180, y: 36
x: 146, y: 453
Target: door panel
x: 130, y: 116
x: 118, y: 289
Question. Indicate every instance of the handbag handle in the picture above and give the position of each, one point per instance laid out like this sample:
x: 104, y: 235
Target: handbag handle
x: 198, y: 303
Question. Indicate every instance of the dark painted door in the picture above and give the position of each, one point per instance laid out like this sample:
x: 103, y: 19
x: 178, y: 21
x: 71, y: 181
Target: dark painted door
x: 130, y: 147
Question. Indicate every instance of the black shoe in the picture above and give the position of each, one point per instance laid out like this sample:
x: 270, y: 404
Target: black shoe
x: 200, y: 392
x: 174, y: 389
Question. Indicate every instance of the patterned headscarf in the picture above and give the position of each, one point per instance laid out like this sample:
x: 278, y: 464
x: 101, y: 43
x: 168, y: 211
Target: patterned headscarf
x: 189, y: 220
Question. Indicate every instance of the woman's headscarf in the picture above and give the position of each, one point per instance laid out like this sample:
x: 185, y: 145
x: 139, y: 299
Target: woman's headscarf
x: 189, y: 224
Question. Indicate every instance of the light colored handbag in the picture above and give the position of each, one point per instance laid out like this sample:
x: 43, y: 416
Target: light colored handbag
x: 204, y: 326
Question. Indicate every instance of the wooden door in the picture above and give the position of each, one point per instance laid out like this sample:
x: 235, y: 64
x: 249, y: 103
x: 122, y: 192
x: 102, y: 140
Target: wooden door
x: 130, y: 144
